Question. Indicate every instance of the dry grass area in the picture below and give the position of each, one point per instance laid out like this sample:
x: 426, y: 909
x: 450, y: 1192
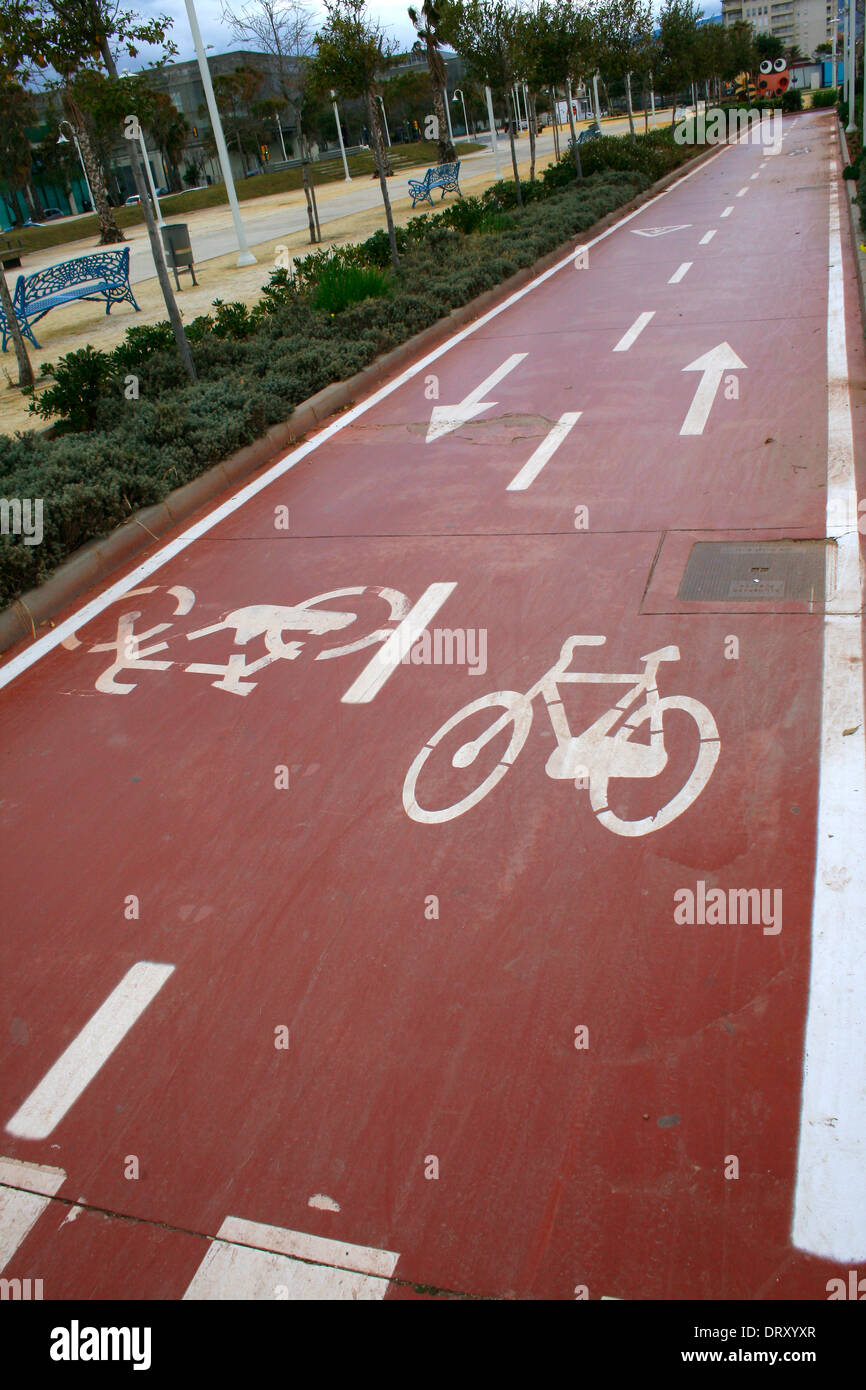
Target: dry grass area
x: 75, y: 325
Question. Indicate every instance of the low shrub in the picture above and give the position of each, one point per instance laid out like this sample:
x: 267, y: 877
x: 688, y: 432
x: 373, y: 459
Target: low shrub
x: 825, y: 96
x: 340, y: 285
x: 792, y: 100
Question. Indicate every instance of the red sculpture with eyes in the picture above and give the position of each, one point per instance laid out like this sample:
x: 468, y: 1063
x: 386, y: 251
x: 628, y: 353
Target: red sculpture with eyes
x: 773, y: 78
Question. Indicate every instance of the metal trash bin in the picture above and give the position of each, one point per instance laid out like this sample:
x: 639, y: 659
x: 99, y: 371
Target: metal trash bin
x: 178, y: 251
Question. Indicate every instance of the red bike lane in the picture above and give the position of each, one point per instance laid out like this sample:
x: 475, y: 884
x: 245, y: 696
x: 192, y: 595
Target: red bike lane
x: 507, y: 1062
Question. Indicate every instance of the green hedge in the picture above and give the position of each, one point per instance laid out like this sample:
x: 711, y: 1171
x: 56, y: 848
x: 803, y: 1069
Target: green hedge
x: 255, y: 365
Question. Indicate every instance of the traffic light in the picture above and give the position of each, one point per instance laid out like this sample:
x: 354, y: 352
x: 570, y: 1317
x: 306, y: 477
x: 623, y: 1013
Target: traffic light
x: 266, y: 153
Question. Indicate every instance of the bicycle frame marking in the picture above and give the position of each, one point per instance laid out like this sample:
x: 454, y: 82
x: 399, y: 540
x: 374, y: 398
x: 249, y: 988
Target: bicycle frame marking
x: 594, y: 756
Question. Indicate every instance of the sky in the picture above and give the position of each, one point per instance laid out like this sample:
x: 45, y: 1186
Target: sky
x: 391, y: 14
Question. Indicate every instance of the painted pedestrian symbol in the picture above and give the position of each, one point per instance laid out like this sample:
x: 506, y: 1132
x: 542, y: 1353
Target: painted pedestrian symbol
x: 593, y: 758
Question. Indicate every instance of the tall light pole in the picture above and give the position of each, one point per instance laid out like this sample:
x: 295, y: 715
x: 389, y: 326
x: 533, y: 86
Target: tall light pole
x: 381, y: 101
x: 493, y: 143
x: 64, y: 140
x: 280, y: 131
x: 447, y: 114
x: 595, y: 77
x: 160, y: 220
x: 459, y: 93
x: 340, y: 138
x: 245, y: 255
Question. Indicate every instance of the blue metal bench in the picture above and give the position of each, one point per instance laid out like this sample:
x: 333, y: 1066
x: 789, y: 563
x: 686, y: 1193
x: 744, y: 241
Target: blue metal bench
x: 444, y: 176
x: 101, y: 276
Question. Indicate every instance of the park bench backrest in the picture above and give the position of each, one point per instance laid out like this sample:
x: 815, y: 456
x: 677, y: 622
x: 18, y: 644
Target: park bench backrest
x: 447, y: 171
x: 111, y: 266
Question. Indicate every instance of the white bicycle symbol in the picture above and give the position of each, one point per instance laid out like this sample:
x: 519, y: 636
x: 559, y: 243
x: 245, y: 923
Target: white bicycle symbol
x: 592, y: 758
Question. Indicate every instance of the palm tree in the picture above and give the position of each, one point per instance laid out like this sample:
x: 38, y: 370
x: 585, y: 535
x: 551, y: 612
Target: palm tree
x: 427, y: 23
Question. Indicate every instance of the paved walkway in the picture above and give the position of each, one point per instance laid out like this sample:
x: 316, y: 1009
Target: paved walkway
x: 495, y: 970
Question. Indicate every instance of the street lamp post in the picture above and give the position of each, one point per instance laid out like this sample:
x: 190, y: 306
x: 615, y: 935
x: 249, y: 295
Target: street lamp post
x: 160, y: 220
x: 64, y: 140
x: 493, y: 143
x: 245, y: 255
x: 340, y: 138
x: 381, y: 101
x: 595, y: 77
x: 448, y: 115
x: 459, y: 93
x: 282, y: 141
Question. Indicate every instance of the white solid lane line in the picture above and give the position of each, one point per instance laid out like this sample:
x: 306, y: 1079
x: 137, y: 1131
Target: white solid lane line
x: 680, y: 272
x: 707, y: 237
x: 634, y: 332
x: 248, y: 1261
x: 73, y: 1071
x: 390, y: 655
x: 829, y: 1211
x: 545, y: 451
x: 727, y: 212
x: 20, y: 663
x: 25, y: 1191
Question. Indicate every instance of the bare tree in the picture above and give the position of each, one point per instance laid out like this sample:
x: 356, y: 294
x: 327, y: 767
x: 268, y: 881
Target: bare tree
x: 285, y: 29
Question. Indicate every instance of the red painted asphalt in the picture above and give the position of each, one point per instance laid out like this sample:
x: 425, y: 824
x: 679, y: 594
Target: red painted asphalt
x: 413, y: 1036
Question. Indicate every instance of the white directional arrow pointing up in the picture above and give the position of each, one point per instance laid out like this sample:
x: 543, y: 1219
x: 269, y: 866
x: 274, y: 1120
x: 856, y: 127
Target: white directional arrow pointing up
x: 713, y: 364
x: 445, y: 418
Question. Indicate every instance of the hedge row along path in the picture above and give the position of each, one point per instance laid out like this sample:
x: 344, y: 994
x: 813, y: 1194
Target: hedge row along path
x: 381, y: 992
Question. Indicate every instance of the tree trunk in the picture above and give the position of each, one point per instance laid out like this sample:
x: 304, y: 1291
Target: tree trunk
x: 379, y: 153
x: 628, y: 99
x: 446, y: 149
x: 143, y: 192
x: 577, y: 164
x: 25, y: 369
x: 305, y: 151
x: 108, y: 229
x: 532, y: 126
x: 554, y: 122
x: 514, y: 153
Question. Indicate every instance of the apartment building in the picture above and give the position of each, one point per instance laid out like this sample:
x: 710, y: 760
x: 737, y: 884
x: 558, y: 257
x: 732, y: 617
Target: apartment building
x: 804, y: 23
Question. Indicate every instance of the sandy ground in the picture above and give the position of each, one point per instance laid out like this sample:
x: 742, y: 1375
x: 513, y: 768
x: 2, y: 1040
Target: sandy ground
x: 74, y: 325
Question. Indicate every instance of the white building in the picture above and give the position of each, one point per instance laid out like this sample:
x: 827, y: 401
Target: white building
x: 804, y: 23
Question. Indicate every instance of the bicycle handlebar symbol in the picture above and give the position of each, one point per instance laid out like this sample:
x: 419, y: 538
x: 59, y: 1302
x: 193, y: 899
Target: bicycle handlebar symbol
x: 592, y: 758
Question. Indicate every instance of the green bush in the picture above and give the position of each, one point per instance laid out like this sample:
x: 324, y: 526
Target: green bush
x: 80, y: 381
x: 825, y: 96
x: 792, y: 100
x: 340, y: 285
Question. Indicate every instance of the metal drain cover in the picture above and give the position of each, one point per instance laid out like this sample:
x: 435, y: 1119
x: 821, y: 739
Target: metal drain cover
x: 755, y: 571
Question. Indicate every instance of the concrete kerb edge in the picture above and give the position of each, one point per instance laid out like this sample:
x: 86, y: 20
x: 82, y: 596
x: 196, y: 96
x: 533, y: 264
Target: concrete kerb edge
x: 857, y: 231
x: 98, y: 558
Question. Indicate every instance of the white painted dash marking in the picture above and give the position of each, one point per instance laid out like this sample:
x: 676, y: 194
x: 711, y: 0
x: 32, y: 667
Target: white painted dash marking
x: 707, y: 237
x: 755, y: 175
x: 680, y: 272
x: 634, y: 332
x: 743, y: 191
x: 727, y: 212
x: 250, y: 1261
x: 73, y: 1071
x: 25, y: 1191
x: 363, y: 1259
x: 390, y: 655
x: 829, y: 1212
x: 545, y: 451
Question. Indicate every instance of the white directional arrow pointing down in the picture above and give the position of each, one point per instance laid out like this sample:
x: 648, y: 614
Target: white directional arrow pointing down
x: 713, y: 364
x: 444, y: 418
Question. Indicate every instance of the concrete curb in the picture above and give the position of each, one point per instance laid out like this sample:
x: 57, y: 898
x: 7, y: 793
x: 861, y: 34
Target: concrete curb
x: 857, y: 229
x: 98, y: 558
